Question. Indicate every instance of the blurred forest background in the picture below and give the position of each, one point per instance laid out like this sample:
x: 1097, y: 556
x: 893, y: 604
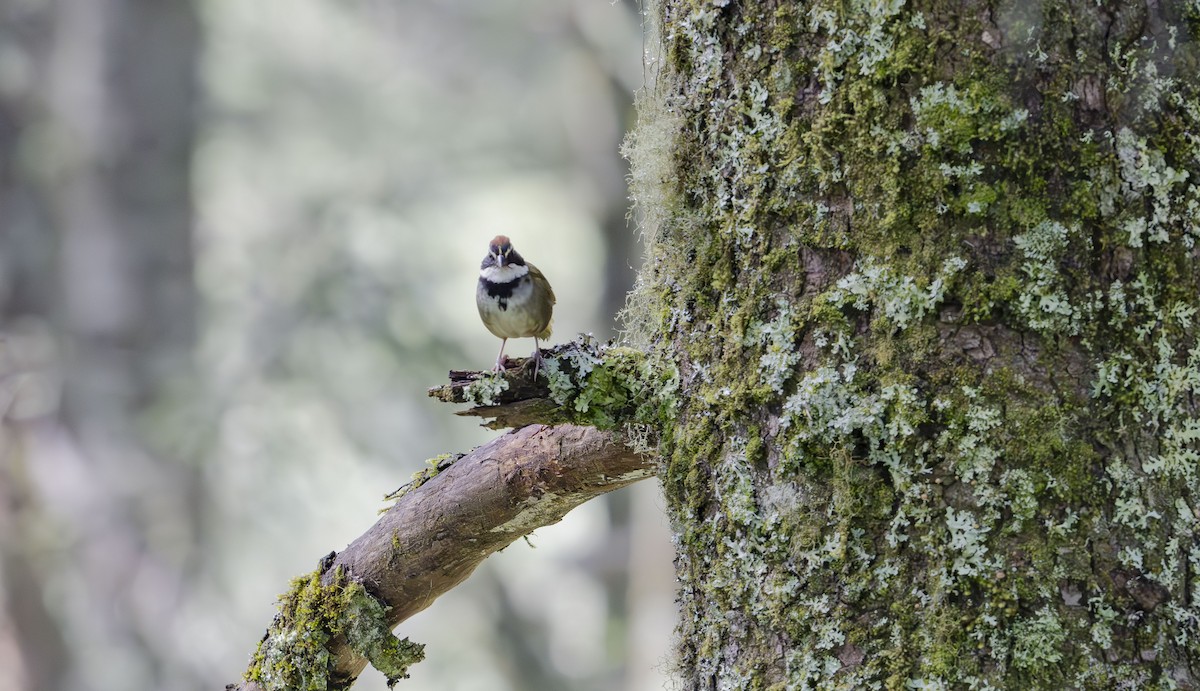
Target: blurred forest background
x: 237, y: 241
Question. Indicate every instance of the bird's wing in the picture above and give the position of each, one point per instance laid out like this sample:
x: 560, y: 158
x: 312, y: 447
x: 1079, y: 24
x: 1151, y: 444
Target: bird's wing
x: 539, y: 276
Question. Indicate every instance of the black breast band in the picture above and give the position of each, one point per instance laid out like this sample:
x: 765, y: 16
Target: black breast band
x: 503, y: 291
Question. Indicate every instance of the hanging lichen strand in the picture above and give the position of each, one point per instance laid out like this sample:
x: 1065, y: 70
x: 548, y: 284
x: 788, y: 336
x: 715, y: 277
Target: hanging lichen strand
x: 929, y: 273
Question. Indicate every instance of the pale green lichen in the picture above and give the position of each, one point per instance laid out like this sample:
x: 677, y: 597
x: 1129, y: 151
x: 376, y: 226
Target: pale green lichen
x: 1037, y: 641
x: 562, y: 371
x: 901, y: 299
x: 363, y: 621
x: 857, y: 41
x: 967, y: 441
x: 968, y: 544
x: 1145, y: 174
x: 1044, y: 301
x: 777, y: 339
x: 610, y: 387
x: 486, y: 389
x: 1104, y: 618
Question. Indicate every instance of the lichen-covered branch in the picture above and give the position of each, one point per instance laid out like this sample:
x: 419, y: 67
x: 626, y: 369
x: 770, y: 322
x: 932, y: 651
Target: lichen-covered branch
x: 584, y: 382
x: 335, y: 620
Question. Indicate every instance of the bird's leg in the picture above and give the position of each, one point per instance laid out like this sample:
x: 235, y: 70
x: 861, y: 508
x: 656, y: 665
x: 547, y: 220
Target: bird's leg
x: 500, y: 358
x: 536, y: 357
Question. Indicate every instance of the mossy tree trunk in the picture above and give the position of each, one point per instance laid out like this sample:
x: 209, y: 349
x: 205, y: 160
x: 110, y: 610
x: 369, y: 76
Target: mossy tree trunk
x: 929, y: 275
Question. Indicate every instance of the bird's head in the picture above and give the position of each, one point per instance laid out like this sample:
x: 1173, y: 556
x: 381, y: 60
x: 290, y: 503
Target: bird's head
x: 501, y: 251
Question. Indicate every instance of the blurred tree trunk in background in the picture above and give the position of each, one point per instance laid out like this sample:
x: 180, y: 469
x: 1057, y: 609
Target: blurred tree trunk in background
x: 608, y: 171
x: 32, y: 648
x: 98, y: 317
x: 930, y: 275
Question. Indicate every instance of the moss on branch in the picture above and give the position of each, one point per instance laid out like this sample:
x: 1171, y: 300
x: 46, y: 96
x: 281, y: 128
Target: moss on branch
x: 294, y: 654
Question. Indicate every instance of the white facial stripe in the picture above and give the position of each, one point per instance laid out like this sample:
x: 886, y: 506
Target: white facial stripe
x: 507, y: 274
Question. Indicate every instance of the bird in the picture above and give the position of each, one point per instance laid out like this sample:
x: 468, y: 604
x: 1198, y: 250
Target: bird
x: 514, y: 299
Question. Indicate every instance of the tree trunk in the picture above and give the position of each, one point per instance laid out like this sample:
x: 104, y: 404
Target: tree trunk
x: 929, y: 275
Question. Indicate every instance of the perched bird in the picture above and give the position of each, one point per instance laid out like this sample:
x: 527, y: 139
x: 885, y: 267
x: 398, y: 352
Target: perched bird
x: 514, y: 299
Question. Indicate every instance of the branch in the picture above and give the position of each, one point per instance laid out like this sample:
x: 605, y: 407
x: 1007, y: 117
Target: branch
x: 512, y: 398
x: 331, y: 623
x: 582, y: 382
x: 457, y: 512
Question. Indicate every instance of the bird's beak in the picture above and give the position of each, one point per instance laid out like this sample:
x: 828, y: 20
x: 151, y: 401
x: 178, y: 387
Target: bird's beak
x: 500, y: 260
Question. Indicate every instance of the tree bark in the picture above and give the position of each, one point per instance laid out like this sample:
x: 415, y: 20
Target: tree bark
x: 929, y: 274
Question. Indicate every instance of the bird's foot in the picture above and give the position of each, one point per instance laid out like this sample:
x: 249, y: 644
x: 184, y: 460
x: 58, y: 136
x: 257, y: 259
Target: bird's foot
x: 500, y: 356
x: 536, y: 358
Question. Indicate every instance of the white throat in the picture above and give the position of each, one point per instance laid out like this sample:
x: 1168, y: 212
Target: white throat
x: 505, y: 274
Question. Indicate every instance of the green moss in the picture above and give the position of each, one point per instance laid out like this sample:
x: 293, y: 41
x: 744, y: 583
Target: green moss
x: 294, y: 655
x: 433, y: 467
